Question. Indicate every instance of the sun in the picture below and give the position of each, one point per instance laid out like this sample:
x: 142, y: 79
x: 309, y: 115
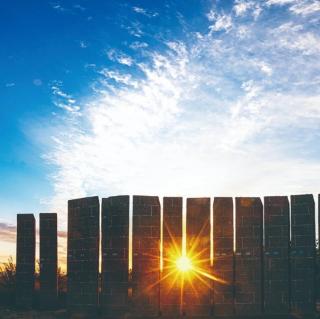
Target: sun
x: 183, y: 264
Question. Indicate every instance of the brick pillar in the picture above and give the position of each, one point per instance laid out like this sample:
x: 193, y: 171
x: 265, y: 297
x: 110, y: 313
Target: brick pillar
x: 48, y: 260
x: 197, y: 293
x: 115, y: 245
x: 223, y: 256
x: 248, y: 261
x: 172, y: 246
x: 146, y: 255
x: 276, y: 262
x: 302, y: 254
x: 83, y: 254
x: 25, y: 260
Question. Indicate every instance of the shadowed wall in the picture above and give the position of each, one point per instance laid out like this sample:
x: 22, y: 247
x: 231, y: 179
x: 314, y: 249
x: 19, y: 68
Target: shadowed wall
x: 172, y: 249
x: 115, y: 246
x: 48, y: 260
x: 276, y: 257
x: 146, y: 255
x: 223, y: 256
x: 25, y: 259
x: 302, y: 254
x: 197, y: 293
x: 83, y: 254
x: 248, y: 263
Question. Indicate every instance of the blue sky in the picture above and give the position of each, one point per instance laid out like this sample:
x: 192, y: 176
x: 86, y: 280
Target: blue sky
x: 157, y: 97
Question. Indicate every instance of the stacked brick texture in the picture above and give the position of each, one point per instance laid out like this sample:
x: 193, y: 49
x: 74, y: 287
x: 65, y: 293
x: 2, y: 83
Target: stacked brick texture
x: 273, y: 278
x: 223, y: 256
x: 172, y: 244
x: 115, y: 240
x: 248, y: 264
x: 276, y: 255
x: 302, y: 254
x: 48, y: 260
x: 83, y: 254
x: 197, y: 298
x: 25, y: 260
x: 146, y: 255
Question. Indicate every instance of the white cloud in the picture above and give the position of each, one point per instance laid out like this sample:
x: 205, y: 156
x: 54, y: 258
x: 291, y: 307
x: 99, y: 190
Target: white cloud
x: 222, y: 22
x: 241, y: 7
x: 306, y: 7
x: 119, y: 57
x: 145, y: 12
x: 280, y: 2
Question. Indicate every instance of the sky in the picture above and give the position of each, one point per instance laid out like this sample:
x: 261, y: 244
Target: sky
x: 172, y: 97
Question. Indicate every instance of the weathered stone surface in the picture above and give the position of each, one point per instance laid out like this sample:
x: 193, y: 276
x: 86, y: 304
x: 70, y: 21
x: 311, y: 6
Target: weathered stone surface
x: 146, y: 255
x: 48, y: 260
x: 276, y: 262
x: 115, y: 245
x: 83, y: 254
x: 302, y: 254
x: 197, y: 292
x: 172, y: 246
x: 223, y: 256
x: 248, y: 261
x: 25, y: 260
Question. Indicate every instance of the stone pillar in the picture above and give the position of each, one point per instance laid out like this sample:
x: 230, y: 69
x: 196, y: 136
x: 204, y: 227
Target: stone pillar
x: 146, y: 255
x: 25, y: 260
x: 276, y: 262
x: 302, y: 254
x: 223, y: 256
x: 83, y: 254
x: 248, y: 261
x: 172, y: 250
x: 48, y: 260
x: 115, y: 245
x: 197, y: 292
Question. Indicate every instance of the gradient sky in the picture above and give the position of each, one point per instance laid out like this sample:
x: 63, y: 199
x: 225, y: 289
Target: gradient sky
x: 169, y: 97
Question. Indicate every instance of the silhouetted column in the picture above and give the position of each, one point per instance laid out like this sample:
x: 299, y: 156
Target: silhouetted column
x: 248, y: 263
x: 172, y: 246
x: 197, y: 294
x: 115, y: 245
x: 25, y: 260
x: 276, y: 263
x: 223, y: 256
x: 48, y: 260
x: 302, y: 254
x: 83, y: 254
x: 146, y: 255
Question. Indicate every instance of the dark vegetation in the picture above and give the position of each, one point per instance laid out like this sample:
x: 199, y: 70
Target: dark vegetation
x: 7, y: 286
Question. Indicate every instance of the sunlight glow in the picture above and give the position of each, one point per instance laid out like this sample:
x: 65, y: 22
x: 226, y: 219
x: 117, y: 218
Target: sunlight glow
x: 184, y: 264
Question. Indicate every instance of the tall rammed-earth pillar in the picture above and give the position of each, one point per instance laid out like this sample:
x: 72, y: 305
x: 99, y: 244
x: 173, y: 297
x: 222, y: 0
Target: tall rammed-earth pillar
x: 83, y: 254
x: 197, y: 297
x: 115, y: 252
x: 146, y: 256
x: 223, y: 259
x: 302, y: 254
x: 276, y: 255
x: 172, y: 250
x: 248, y: 260
x: 25, y: 260
x: 48, y: 260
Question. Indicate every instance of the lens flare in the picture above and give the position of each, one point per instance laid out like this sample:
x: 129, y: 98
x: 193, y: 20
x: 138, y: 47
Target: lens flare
x: 184, y: 264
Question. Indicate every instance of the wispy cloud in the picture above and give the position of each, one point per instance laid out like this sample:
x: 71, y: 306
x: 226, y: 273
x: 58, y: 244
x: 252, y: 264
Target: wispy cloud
x: 119, y: 57
x: 7, y: 233
x: 145, y: 12
x: 63, y: 100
